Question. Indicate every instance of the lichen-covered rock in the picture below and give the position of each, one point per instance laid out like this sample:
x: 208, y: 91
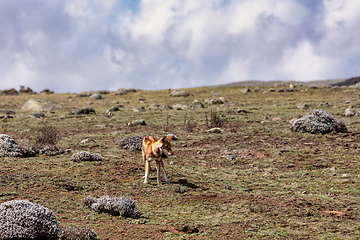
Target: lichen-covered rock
x: 116, y: 206
x: 85, y: 110
x: 37, y: 115
x: 137, y: 122
x: 349, y: 112
x: 133, y: 143
x: 9, y: 148
x: 85, y: 156
x: 96, y: 96
x: 318, y: 121
x: 179, y: 93
x: 21, y: 219
x: 41, y: 105
x: 196, y: 104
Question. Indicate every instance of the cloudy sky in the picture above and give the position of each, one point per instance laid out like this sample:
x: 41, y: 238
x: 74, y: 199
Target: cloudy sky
x: 76, y: 45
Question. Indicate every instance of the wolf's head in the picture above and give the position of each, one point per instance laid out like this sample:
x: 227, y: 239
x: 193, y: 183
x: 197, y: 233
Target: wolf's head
x: 166, y: 145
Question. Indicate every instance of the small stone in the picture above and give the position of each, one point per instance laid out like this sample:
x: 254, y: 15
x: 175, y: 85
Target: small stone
x: 215, y: 130
x: 142, y: 109
x: 345, y: 181
x: 332, y: 169
x: 196, y: 104
x: 230, y: 156
x: 137, y: 122
x: 303, y: 106
x: 113, y: 109
x: 37, y: 115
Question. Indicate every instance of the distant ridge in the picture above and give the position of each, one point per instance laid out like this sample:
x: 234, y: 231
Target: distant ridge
x: 319, y: 83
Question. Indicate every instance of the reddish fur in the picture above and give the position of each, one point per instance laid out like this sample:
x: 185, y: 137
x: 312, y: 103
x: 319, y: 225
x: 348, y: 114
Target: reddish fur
x: 154, y: 149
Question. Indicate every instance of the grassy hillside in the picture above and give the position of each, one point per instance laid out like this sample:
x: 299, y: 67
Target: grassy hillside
x: 256, y: 179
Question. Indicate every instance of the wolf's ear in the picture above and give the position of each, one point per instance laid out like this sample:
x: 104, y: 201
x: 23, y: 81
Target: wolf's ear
x: 163, y: 139
x: 171, y: 137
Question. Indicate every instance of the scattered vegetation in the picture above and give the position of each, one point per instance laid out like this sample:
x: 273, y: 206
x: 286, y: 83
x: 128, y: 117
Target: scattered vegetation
x: 85, y: 156
x: 132, y: 143
x: 73, y: 233
x: 253, y: 178
x: 318, y: 121
x: 21, y: 219
x: 216, y: 121
x: 116, y: 206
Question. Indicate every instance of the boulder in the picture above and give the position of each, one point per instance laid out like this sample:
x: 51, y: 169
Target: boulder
x: 83, y: 111
x: 179, y: 106
x: 96, y: 96
x: 196, y: 104
x: 41, y: 105
x: 215, y: 101
x: 9, y: 148
x: 179, y: 93
x: 349, y: 112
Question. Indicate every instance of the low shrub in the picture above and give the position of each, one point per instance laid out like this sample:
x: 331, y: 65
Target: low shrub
x: 9, y: 148
x: 73, y: 233
x: 132, y: 143
x: 85, y: 156
x: 21, y: 219
x: 116, y: 206
x: 318, y: 121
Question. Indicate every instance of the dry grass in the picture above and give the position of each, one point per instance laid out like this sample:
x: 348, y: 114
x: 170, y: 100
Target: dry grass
x: 281, y: 184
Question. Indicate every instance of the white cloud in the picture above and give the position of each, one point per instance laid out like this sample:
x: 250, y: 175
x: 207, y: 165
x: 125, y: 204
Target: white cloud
x: 303, y: 63
x: 83, y: 45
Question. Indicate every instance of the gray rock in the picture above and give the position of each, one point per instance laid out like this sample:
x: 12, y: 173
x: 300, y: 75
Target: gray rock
x: 9, y: 148
x: 121, y: 91
x: 137, y: 122
x: 96, y: 96
x: 83, y: 111
x: 37, y: 115
x: 179, y: 106
x: 303, y: 106
x: 196, y: 104
x: 141, y: 109
x: 7, y: 111
x: 349, y: 112
x: 230, y: 156
x: 167, y: 107
x: 41, y: 105
x: 113, y: 109
x: 215, y: 101
x: 215, y: 130
x: 179, y: 93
